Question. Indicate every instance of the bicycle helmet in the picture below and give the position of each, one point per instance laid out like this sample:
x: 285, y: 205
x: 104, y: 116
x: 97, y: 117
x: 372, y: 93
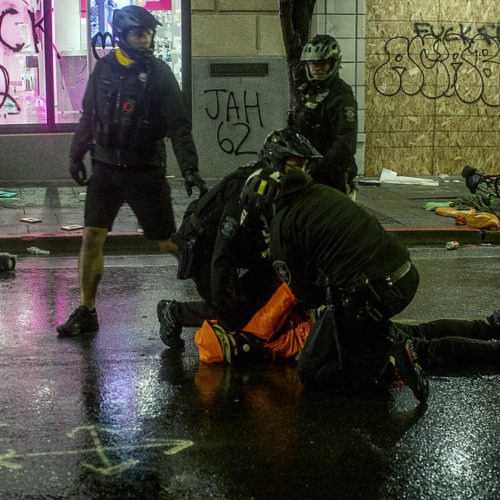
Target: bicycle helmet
x: 322, y: 48
x: 133, y: 16
x: 283, y: 144
x: 259, y: 196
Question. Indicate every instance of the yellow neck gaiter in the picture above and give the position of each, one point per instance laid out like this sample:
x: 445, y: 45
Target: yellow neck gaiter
x: 123, y: 59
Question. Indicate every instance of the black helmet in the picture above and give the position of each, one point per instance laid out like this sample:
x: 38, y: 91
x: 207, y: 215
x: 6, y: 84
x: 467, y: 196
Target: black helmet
x: 259, y: 196
x: 283, y: 144
x: 322, y: 48
x: 133, y: 16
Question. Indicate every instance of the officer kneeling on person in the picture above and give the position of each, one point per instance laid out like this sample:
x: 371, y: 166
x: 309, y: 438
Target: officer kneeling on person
x: 331, y: 251
x: 225, y: 261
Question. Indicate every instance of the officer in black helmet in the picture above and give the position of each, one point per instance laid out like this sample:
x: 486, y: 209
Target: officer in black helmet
x: 131, y: 104
x: 332, y: 253
x: 326, y: 113
x: 226, y: 260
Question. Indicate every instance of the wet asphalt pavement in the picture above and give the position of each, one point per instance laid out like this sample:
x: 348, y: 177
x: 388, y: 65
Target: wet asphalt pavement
x: 116, y: 415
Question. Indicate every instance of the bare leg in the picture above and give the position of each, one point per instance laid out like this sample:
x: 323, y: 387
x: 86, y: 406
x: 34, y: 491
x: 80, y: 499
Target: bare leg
x: 91, y: 264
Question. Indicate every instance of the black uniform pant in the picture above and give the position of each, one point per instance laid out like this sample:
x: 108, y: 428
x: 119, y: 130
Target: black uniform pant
x: 193, y: 313
x: 256, y: 287
x: 441, y: 343
x: 363, y: 340
x: 454, y: 343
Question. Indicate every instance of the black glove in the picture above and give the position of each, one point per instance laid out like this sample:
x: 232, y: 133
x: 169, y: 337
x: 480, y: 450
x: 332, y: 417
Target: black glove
x: 193, y: 179
x: 78, y: 172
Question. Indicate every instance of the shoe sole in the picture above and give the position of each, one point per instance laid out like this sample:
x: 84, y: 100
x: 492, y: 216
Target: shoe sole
x: 414, y: 377
x: 72, y: 334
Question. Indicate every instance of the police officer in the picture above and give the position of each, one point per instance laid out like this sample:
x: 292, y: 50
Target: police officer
x: 222, y: 249
x: 132, y: 102
x: 331, y: 251
x: 326, y: 113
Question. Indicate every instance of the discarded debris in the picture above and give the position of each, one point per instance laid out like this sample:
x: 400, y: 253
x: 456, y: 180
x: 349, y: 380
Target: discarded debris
x: 7, y: 261
x: 7, y: 194
x: 37, y: 251
x: 368, y: 182
x: 432, y: 205
x: 30, y: 220
x: 390, y: 177
x: 72, y: 227
x: 452, y: 245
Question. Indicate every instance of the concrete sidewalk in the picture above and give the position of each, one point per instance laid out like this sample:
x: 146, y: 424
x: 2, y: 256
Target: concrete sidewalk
x: 399, y: 208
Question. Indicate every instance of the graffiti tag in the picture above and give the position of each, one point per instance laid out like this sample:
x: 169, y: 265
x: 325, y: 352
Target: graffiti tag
x: 442, y: 63
x: 9, y: 16
x: 235, y: 115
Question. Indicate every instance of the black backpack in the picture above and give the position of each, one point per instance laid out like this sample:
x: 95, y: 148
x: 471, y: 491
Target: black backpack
x: 196, y: 235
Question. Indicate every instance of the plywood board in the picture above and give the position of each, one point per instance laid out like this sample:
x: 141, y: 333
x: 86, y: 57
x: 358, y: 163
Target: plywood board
x: 432, y: 86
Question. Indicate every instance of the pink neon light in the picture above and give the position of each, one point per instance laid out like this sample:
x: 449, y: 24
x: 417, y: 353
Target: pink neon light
x: 159, y: 5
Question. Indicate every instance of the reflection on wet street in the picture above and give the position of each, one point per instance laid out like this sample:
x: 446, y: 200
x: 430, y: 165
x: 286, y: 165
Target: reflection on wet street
x: 116, y: 415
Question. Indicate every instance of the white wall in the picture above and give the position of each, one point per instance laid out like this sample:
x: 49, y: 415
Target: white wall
x: 345, y: 20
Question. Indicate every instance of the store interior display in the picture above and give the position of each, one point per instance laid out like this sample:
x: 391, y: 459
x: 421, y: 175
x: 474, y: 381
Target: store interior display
x: 22, y: 60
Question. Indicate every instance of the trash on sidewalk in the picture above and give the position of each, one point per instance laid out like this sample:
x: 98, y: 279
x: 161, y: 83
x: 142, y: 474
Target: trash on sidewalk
x: 390, y: 177
x: 7, y: 261
x: 37, y: 251
x: 72, y: 227
x: 450, y: 211
x: 30, y: 220
x: 368, y: 182
x: 452, y: 245
x: 481, y: 201
x: 432, y: 205
x: 82, y: 196
x: 7, y: 194
x: 470, y: 217
x: 483, y: 220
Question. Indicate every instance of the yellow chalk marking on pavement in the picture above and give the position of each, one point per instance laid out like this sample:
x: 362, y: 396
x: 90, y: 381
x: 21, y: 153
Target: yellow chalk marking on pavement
x: 107, y: 468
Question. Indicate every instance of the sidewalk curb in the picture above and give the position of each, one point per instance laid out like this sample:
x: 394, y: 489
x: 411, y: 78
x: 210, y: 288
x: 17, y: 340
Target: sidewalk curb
x: 424, y: 235
x: 132, y: 242
x: 124, y: 242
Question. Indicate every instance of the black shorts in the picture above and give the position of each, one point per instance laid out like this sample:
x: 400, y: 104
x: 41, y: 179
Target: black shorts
x: 145, y: 189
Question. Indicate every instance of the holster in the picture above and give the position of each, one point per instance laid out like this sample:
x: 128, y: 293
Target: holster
x: 362, y: 301
x: 186, y: 257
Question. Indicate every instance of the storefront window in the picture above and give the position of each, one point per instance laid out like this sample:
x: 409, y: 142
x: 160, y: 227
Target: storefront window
x: 22, y: 65
x: 40, y: 97
x: 71, y: 68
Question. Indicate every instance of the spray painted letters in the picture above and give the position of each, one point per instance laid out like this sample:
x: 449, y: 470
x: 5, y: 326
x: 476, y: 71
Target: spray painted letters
x: 10, y: 15
x: 235, y: 114
x: 443, y: 62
